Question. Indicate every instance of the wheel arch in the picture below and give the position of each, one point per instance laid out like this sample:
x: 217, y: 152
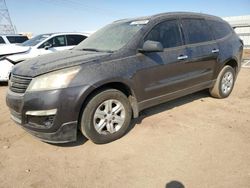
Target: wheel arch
x: 121, y: 86
x: 233, y: 63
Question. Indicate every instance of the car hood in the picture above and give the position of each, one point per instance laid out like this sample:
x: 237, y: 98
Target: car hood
x: 55, y: 61
x: 12, y: 49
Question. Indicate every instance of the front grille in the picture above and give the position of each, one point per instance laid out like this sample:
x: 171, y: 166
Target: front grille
x: 19, y: 84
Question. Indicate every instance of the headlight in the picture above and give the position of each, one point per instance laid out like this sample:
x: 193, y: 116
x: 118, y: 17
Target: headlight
x: 54, y: 80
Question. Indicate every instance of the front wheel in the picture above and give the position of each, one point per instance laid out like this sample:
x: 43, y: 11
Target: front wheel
x: 224, y: 83
x: 106, y: 117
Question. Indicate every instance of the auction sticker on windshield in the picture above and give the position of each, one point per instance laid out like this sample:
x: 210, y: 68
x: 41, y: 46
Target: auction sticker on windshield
x: 139, y: 22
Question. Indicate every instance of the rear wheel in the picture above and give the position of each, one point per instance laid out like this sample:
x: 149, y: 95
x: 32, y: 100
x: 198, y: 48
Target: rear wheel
x: 106, y: 117
x: 224, y: 83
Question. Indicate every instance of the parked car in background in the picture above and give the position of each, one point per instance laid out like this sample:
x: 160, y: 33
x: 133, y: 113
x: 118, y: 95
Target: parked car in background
x: 12, y: 39
x: 37, y: 46
x: 120, y: 70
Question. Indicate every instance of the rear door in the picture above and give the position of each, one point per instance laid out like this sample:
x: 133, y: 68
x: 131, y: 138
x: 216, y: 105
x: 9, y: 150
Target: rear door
x: 202, y: 51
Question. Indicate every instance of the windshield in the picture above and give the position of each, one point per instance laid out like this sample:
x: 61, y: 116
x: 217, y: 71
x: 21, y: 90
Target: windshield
x: 112, y: 37
x: 35, y: 40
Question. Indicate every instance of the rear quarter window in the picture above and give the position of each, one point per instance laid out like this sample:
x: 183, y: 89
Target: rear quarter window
x: 196, y: 31
x: 220, y: 29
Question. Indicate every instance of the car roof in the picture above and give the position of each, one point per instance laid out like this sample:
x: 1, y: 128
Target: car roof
x: 173, y: 14
x: 13, y: 35
x: 186, y: 14
x: 66, y: 33
x: 50, y: 34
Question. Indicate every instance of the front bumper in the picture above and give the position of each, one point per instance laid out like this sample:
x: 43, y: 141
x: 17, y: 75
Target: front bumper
x: 51, y: 116
x: 66, y: 133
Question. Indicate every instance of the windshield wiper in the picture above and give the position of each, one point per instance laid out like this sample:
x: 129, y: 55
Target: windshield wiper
x: 97, y: 50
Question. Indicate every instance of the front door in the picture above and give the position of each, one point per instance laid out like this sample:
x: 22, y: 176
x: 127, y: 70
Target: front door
x: 161, y: 73
x: 57, y: 43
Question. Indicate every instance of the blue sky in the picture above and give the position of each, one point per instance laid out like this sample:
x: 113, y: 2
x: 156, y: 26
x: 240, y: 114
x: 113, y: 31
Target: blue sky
x: 41, y: 16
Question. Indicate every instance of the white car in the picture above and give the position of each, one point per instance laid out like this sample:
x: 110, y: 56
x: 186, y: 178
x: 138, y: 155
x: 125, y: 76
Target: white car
x: 12, y: 39
x: 39, y: 45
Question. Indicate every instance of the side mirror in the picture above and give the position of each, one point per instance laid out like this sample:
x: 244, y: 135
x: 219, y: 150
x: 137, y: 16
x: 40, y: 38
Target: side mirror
x: 47, y: 46
x: 151, y: 46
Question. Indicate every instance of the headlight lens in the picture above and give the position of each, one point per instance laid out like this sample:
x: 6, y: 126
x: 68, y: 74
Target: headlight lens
x: 54, y: 80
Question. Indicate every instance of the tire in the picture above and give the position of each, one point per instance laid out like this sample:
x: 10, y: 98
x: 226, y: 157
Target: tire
x: 224, y: 83
x: 106, y: 117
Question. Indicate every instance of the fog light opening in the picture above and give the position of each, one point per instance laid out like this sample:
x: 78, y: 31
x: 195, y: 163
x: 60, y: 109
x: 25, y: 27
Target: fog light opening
x: 42, y: 122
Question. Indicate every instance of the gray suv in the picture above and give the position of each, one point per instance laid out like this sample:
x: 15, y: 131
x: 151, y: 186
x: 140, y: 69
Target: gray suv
x: 123, y: 68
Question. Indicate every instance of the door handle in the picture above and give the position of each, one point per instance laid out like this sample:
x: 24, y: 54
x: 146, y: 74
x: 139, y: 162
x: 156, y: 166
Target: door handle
x: 182, y: 57
x: 215, y: 51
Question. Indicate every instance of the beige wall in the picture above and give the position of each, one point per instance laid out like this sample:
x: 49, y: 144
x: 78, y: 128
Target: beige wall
x: 28, y: 34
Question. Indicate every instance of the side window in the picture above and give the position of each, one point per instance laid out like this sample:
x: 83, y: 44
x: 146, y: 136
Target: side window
x: 220, y: 29
x: 47, y: 43
x: 22, y: 39
x: 1, y: 40
x: 11, y: 39
x: 73, y: 40
x: 17, y: 39
x: 196, y: 31
x: 57, y: 41
x: 167, y: 33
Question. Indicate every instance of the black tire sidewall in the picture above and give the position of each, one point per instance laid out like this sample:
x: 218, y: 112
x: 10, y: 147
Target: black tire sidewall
x: 227, y: 69
x: 87, y: 125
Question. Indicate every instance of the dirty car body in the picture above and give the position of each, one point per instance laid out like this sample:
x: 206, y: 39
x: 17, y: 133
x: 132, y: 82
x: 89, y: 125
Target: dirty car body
x: 148, y: 77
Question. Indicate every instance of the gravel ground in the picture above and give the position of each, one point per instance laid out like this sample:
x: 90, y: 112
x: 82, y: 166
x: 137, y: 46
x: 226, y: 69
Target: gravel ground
x: 194, y: 141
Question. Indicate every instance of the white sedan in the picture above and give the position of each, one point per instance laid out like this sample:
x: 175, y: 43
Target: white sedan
x: 39, y: 45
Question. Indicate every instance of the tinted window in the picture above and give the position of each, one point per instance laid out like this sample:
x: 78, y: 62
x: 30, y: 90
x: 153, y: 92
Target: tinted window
x: 167, y: 33
x: 196, y: 31
x: 57, y: 41
x: 1, y: 40
x: 17, y: 39
x: 220, y: 29
x: 74, y: 39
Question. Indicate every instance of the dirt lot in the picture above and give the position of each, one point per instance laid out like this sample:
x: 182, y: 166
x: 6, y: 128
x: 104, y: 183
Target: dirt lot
x: 246, y: 54
x: 196, y: 140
